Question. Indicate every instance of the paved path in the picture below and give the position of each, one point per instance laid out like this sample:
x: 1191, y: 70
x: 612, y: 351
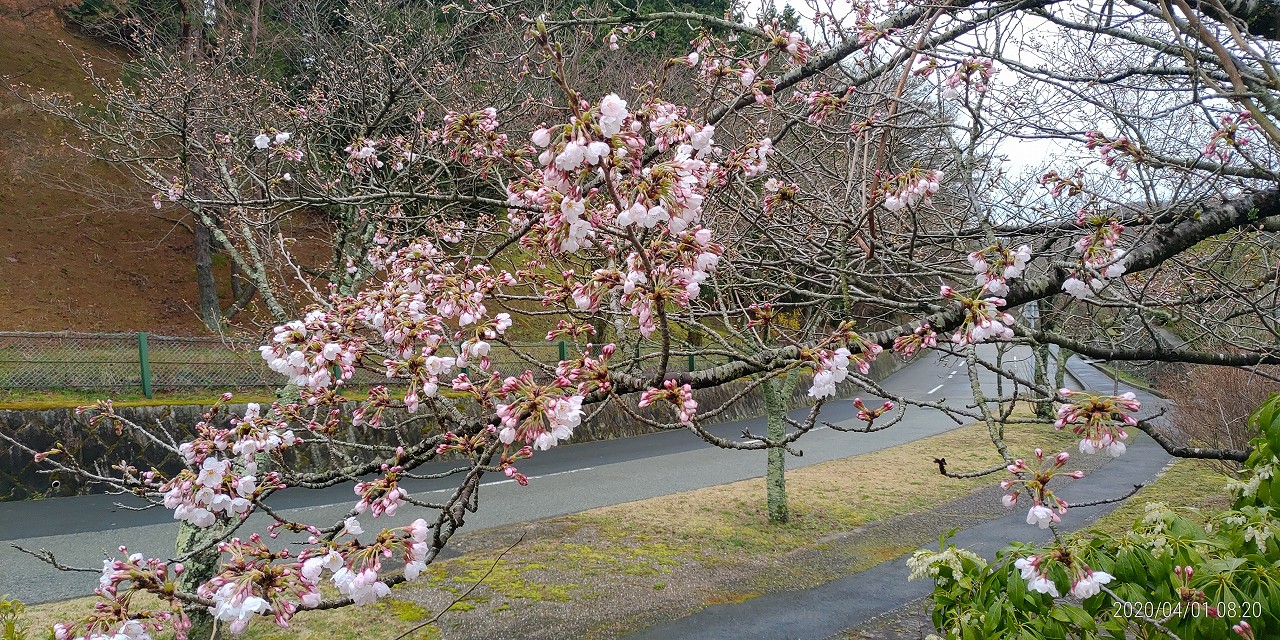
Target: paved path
x: 567, y: 479
x: 827, y: 610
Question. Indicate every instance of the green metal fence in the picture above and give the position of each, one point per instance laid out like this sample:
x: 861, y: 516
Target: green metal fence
x: 143, y: 361
x: 151, y: 362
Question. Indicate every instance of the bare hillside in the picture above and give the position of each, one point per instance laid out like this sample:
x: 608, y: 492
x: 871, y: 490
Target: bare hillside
x: 80, y: 247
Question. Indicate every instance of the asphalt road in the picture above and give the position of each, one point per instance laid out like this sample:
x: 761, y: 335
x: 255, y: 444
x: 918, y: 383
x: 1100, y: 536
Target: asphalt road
x: 567, y: 479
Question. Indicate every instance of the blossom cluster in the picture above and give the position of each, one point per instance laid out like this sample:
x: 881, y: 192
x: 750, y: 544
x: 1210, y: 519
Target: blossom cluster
x: 868, y: 414
x: 1085, y: 582
x: 1115, y: 152
x: 1100, y: 419
x: 831, y: 369
x: 924, y: 337
x: 537, y: 415
x: 972, y: 72
x: 473, y: 138
x: 1100, y: 258
x: 983, y: 319
x: 910, y: 187
x: 121, y: 617
x: 995, y: 265
x: 308, y: 351
x: 666, y: 197
x: 276, y: 141
x: 1035, y: 483
x: 791, y: 43
x: 777, y: 192
x: 218, y: 486
x: 677, y: 395
x: 1059, y: 184
x: 822, y: 104
x: 1230, y: 135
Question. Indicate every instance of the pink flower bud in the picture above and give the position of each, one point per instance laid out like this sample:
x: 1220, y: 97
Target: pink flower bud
x: 1242, y: 628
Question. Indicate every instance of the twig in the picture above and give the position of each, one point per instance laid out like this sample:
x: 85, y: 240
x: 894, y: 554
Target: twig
x: 942, y: 469
x: 46, y: 555
x: 1094, y: 503
x: 466, y: 593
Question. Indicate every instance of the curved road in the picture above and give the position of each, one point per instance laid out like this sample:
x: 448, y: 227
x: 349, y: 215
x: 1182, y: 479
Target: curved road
x: 567, y: 479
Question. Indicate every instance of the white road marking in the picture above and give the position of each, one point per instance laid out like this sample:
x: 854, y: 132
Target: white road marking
x: 935, y: 389
x: 545, y: 475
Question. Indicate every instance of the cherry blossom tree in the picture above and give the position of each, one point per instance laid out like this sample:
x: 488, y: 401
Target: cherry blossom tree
x: 771, y: 202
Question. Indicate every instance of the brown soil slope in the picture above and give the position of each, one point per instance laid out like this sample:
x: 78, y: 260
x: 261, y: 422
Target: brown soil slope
x: 80, y: 246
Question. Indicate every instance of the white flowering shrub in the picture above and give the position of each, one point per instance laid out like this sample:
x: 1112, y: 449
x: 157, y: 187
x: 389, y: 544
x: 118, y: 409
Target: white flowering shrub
x: 1170, y: 576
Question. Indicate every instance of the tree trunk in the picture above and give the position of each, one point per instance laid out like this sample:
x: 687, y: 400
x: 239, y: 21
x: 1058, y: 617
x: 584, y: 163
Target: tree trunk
x: 777, y: 396
x: 1044, y: 408
x: 775, y: 481
x: 197, y: 570
x: 1044, y: 321
x: 207, y: 288
x: 256, y: 21
x: 1059, y: 375
x: 191, y: 36
x: 237, y: 281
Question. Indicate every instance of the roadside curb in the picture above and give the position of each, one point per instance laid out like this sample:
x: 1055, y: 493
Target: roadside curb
x: 1141, y: 387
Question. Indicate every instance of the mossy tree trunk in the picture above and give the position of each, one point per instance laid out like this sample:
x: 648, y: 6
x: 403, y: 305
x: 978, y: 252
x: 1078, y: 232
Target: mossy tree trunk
x: 198, y: 569
x: 1043, y: 356
x: 1060, y: 373
x: 777, y: 394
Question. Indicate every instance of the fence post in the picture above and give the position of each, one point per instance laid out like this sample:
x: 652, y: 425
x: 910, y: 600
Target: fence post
x: 692, y: 367
x: 564, y: 351
x: 144, y: 363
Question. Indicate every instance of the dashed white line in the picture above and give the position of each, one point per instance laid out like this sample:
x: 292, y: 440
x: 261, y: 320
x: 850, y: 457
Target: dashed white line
x: 934, y: 390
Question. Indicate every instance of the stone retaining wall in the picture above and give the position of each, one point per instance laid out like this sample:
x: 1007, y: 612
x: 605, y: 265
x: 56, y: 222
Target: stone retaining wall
x: 101, y: 447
